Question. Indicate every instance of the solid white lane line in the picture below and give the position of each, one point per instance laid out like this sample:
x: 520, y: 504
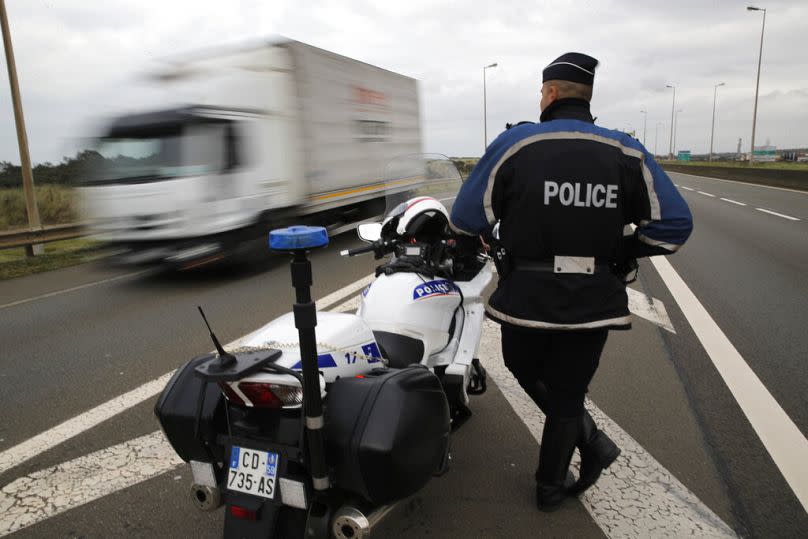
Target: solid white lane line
x: 688, y: 188
x: 447, y: 199
x: 780, y: 436
x: 636, y: 496
x: 46, y: 493
x: 649, y: 308
x: 705, y: 194
x: 750, y: 184
x: 777, y: 214
x: 73, y: 289
x: 344, y: 292
x: 51, y: 491
x: 733, y: 201
x: 13, y: 456
x: 636, y: 493
x: 48, y: 439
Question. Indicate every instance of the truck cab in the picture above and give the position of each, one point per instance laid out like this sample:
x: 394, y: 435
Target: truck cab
x: 175, y: 184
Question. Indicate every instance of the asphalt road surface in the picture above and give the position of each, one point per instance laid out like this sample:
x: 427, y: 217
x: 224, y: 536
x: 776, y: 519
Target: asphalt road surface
x: 696, y: 459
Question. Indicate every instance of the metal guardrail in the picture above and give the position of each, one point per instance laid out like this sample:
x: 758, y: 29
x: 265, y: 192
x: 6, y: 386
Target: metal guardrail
x: 26, y: 236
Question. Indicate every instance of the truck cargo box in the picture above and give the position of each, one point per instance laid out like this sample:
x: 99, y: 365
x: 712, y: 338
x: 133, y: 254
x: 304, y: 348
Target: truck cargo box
x: 248, y: 139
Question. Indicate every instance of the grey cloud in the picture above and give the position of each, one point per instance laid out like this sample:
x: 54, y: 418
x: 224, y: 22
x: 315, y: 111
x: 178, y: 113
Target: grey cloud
x: 80, y: 60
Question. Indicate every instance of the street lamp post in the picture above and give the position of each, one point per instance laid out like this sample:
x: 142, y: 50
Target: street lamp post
x: 712, y: 128
x: 485, y: 109
x: 675, y: 127
x: 656, y: 133
x: 22, y: 138
x: 757, y: 84
x: 644, y: 124
x: 673, y: 106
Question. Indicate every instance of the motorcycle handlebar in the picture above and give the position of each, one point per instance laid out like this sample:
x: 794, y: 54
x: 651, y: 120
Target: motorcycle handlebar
x: 359, y: 250
x: 379, y: 248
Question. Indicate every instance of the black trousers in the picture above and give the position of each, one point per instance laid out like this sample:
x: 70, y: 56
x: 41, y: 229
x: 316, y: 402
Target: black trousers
x: 563, y: 361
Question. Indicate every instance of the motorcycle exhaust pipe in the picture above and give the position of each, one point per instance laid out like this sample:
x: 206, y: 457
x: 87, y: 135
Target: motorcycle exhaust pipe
x: 206, y: 498
x: 351, y: 523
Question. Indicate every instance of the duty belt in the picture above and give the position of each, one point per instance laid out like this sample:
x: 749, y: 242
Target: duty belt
x: 564, y: 264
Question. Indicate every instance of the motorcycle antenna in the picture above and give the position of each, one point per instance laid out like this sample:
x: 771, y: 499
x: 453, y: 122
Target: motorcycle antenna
x: 225, y: 357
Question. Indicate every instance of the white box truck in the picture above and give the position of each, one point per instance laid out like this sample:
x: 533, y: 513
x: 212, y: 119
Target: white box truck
x: 276, y: 134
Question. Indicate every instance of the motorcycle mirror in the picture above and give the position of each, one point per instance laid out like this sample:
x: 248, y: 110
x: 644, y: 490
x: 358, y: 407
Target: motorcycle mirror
x: 369, y: 232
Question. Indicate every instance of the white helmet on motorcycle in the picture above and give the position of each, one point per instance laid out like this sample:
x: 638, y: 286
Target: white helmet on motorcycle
x: 420, y: 214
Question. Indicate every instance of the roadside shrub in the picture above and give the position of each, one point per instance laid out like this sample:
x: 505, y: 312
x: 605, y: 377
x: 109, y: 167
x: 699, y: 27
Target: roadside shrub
x: 57, y: 205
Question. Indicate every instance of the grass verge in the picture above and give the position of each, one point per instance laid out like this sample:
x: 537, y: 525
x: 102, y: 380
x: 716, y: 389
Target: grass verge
x: 57, y: 205
x: 777, y: 165
x: 58, y: 254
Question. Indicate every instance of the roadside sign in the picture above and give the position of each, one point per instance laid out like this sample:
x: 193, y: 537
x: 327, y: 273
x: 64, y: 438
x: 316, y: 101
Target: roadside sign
x: 765, y: 154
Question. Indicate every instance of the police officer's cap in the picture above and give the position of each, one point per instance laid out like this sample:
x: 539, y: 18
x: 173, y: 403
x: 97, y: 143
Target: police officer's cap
x: 573, y: 67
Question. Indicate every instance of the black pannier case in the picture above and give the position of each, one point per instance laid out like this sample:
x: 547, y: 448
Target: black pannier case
x: 387, y: 433
x: 177, y: 408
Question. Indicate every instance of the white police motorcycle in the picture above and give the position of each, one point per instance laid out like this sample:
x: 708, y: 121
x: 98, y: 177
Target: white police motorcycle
x: 317, y: 433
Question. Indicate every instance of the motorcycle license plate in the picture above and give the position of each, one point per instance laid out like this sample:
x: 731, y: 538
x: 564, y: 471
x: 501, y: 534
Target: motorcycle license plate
x: 253, y: 472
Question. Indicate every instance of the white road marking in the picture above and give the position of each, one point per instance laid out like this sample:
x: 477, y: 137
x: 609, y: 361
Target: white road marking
x: 73, y: 289
x: 649, y: 308
x: 750, y: 184
x: 46, y: 493
x: 343, y: 292
x: 780, y: 436
x: 51, y: 491
x: 688, y: 188
x: 777, y: 214
x: 447, y: 199
x: 54, y: 436
x: 742, y: 203
x: 636, y: 493
x: 636, y: 496
x: 46, y: 440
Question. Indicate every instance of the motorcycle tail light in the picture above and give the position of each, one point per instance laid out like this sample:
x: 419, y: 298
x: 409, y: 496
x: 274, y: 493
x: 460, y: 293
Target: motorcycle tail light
x: 243, y: 513
x: 231, y: 395
x: 268, y: 395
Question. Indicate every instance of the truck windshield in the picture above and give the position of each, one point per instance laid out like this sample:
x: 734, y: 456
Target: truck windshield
x: 192, y: 151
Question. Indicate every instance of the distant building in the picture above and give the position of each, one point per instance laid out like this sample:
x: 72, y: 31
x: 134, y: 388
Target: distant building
x: 793, y: 154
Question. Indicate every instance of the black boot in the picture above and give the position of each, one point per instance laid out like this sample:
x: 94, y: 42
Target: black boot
x: 557, y: 444
x: 598, y: 452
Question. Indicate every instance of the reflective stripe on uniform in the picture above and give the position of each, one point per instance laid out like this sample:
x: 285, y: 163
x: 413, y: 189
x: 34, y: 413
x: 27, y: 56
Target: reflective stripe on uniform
x: 672, y: 247
x: 537, y: 324
x: 571, y: 135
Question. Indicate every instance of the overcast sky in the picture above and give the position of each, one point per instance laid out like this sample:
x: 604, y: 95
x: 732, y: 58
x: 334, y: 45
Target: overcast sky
x: 80, y: 60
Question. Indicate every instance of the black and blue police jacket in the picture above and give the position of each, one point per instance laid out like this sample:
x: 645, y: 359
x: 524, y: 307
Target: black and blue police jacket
x: 567, y: 188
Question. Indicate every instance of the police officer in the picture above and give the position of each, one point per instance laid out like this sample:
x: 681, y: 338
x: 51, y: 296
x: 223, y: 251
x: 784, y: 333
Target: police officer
x: 565, y: 193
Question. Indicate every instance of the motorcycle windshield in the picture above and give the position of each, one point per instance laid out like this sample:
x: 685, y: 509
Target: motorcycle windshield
x: 419, y: 175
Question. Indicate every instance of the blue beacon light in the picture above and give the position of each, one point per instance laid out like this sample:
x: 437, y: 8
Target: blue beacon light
x: 295, y: 238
